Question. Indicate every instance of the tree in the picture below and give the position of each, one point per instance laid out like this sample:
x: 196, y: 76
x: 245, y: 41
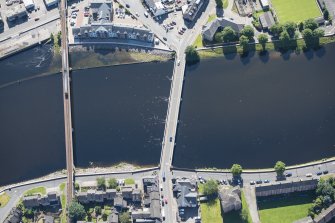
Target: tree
x: 326, y: 14
x: 219, y: 3
x: 248, y: 31
x: 97, y: 210
x: 307, y: 34
x: 290, y: 27
x: 76, y: 211
x: 276, y: 29
x: 52, y: 37
x: 101, y: 183
x: 192, y: 55
x: 112, y: 183
x: 317, y: 33
x: 76, y: 186
x: 228, y: 34
x: 211, y: 188
x: 236, y: 170
x: 244, y: 42
x: 263, y: 39
x: 284, y: 39
x: 124, y: 217
x: 310, y: 24
x: 301, y: 26
x: 218, y: 37
x: 280, y: 168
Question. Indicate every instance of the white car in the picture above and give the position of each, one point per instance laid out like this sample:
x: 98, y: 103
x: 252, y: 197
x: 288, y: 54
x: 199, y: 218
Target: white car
x: 146, y: 14
x: 178, y: 62
x: 309, y: 175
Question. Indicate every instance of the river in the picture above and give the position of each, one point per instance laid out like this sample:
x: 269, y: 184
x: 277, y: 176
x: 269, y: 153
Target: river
x: 257, y: 110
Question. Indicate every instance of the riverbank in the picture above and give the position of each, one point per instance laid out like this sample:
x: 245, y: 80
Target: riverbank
x: 295, y: 45
x: 83, y: 57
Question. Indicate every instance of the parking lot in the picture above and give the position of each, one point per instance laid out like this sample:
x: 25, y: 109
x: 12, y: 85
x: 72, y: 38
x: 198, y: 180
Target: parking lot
x: 39, y: 11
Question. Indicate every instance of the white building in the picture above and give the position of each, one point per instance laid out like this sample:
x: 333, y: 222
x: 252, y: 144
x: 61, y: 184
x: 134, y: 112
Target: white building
x: 156, y: 7
x: 29, y: 4
x: 50, y: 3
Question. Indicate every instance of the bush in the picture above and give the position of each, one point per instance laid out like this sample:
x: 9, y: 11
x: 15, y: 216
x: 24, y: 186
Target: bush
x: 236, y: 170
x: 76, y: 211
x: 112, y: 183
x: 211, y: 189
x: 280, y: 168
x: 101, y: 183
x: 192, y: 55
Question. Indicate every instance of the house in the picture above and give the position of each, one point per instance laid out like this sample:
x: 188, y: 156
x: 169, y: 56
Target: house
x: 111, y: 31
x: 266, y: 20
x: 230, y: 199
x: 113, y: 217
x: 50, y: 3
x: 186, y: 194
x: 48, y: 219
x: 141, y: 214
x: 110, y: 194
x: 101, y: 11
x: 119, y: 203
x: 193, y: 10
x: 265, y: 4
x: 285, y: 187
x: 218, y: 24
x: 127, y: 192
x: 29, y: 4
x: 99, y: 196
x: 82, y: 197
x: 14, y: 216
x: 156, y: 7
x: 17, y: 12
x: 136, y: 195
x: 31, y: 201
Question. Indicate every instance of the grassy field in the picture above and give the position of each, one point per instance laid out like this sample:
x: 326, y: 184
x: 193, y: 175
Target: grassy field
x: 211, y: 212
x: 63, y: 202
x: 279, y: 209
x: 129, y: 181
x: 295, y: 10
x: 37, y: 190
x: 4, y: 198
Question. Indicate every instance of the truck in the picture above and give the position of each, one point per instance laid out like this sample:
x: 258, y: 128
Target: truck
x: 163, y: 214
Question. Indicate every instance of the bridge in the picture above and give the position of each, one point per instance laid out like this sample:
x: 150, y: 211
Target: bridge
x: 67, y: 103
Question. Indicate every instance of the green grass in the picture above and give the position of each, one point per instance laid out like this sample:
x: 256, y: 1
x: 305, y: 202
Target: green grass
x: 129, y: 181
x: 4, y: 198
x: 211, y: 212
x: 63, y: 202
x: 279, y: 209
x: 295, y: 10
x: 225, y: 3
x: 211, y: 18
x: 37, y: 190
x: 198, y: 42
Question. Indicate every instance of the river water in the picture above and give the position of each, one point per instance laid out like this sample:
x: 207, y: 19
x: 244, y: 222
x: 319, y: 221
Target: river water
x: 255, y: 111
x: 119, y: 113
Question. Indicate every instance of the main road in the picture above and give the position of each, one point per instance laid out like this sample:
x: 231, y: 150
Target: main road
x: 67, y: 103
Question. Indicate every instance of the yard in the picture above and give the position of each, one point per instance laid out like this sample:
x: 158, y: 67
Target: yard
x: 295, y: 10
x: 211, y: 212
x: 285, y: 209
x: 4, y: 198
x: 37, y: 190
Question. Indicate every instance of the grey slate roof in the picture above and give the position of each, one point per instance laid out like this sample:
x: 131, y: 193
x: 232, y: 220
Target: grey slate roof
x: 210, y: 28
x: 186, y: 194
x: 266, y: 20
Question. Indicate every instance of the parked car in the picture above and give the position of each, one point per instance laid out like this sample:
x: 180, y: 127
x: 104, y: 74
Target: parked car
x: 165, y: 200
x: 325, y: 172
x: 127, y: 5
x: 146, y: 14
x: 164, y: 38
x: 259, y: 182
x: 288, y: 174
x: 319, y: 173
x: 252, y: 182
x: 178, y: 62
x: 309, y: 175
x: 266, y: 181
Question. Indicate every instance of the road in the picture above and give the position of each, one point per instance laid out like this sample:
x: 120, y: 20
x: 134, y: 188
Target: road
x: 67, y: 103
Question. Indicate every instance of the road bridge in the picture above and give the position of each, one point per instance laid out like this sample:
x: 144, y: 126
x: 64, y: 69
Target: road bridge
x: 67, y: 103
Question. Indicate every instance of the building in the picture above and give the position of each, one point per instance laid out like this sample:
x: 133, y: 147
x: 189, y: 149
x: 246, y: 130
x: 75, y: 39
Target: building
x: 17, y: 12
x: 230, y: 199
x: 218, y: 24
x: 101, y: 11
x: 119, y: 203
x: 265, y: 4
x: 285, y: 187
x: 193, y: 10
x: 29, y: 4
x: 100, y: 27
x: 51, y: 3
x: 266, y: 20
x: 156, y: 7
x: 330, y: 5
x: 14, y: 216
x: 186, y: 194
x: 51, y: 199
